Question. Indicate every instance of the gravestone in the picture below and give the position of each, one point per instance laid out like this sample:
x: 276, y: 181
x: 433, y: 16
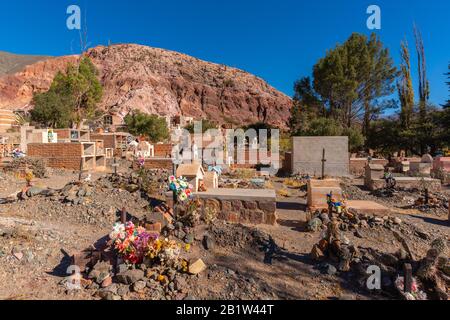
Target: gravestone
x: 423, y: 167
x: 427, y: 158
x: 373, y: 172
x: 211, y: 180
x: 307, y: 156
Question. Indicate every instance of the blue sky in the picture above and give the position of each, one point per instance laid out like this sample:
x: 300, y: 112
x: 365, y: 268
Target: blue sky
x: 278, y: 40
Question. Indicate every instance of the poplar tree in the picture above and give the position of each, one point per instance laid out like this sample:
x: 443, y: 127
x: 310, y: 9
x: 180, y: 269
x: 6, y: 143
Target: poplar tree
x: 405, y: 87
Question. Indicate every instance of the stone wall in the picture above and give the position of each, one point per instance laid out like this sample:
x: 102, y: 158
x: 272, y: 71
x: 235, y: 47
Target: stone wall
x: 241, y: 206
x: 307, y: 155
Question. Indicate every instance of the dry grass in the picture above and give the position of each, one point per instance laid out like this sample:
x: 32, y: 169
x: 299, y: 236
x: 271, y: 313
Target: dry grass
x: 243, y: 173
x: 283, y: 193
x: 269, y: 185
x: 293, y: 183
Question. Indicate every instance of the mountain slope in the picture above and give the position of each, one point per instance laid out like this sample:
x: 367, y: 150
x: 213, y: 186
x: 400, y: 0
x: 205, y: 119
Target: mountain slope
x: 162, y: 82
x: 11, y: 63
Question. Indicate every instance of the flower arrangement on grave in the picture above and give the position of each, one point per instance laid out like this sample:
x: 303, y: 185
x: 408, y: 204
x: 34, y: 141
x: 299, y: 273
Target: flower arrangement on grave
x: 131, y: 242
x: 135, y: 246
x: 333, y: 203
x: 415, y: 294
x: 181, y: 187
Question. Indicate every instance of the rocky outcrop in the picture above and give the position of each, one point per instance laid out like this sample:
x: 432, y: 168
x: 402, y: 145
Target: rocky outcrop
x: 161, y: 82
x: 16, y: 90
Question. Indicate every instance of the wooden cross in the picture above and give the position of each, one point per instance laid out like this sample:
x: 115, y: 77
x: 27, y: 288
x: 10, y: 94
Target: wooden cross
x: 323, y: 164
x: 407, y: 270
x: 123, y: 216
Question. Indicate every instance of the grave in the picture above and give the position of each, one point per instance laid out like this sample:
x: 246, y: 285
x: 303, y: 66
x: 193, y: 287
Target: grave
x: 442, y: 163
x: 72, y: 156
x: 155, y: 163
x: 408, y: 183
x: 318, y: 190
x: 367, y: 207
x: 404, y: 166
x: 193, y: 173
x: 308, y: 156
x: 373, y: 172
x: 254, y: 206
x: 358, y: 165
x: 423, y: 167
x: 145, y: 150
x: 211, y: 180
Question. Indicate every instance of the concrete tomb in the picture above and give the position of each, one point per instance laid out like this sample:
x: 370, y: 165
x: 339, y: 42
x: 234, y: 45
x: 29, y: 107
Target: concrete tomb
x: 193, y: 172
x: 373, y: 172
x: 211, y: 180
x: 307, y: 156
x: 318, y: 190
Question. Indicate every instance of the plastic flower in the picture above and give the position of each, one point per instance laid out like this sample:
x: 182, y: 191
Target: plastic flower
x: 183, y: 197
x: 140, y: 230
x: 161, y: 278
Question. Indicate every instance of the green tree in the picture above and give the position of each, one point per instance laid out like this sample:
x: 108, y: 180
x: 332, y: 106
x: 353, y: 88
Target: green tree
x: 424, y: 86
x: 72, y: 96
x: 352, y: 76
x: 151, y: 126
x: 405, y: 87
x: 384, y: 135
x: 306, y: 105
x: 329, y: 127
x: 51, y: 110
x: 445, y: 118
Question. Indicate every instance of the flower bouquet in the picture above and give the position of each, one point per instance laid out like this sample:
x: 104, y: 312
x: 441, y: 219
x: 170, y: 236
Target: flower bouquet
x: 135, y: 245
x: 180, y: 187
x: 415, y: 294
x: 131, y: 242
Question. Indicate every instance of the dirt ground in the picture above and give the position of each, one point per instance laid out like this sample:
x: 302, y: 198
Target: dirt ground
x: 38, y: 236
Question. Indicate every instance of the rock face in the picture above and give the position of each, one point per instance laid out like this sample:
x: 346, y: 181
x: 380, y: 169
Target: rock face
x: 16, y: 90
x: 161, y: 82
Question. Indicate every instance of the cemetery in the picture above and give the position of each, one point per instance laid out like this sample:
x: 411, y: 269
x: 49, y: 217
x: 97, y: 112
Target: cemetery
x: 197, y: 218
x: 255, y: 172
